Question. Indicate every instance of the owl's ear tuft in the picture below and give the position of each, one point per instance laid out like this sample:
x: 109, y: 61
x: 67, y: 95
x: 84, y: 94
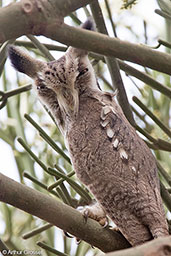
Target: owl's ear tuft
x: 88, y: 24
x: 22, y: 62
x: 76, y: 52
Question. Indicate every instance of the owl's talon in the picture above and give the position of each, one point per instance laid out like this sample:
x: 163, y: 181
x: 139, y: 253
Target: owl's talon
x: 104, y: 222
x: 116, y: 229
x: 86, y: 214
x: 94, y: 212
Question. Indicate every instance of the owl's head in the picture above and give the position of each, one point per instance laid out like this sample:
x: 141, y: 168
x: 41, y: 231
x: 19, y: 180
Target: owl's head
x: 68, y: 77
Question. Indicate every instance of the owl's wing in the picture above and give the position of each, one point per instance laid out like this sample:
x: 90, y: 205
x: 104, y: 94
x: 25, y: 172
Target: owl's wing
x: 132, y: 151
x: 137, y: 169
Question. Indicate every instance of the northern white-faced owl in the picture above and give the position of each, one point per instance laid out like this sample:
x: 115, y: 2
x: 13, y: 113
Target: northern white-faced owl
x: 106, y: 152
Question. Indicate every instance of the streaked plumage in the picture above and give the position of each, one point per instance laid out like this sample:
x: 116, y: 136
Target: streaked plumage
x: 107, y: 154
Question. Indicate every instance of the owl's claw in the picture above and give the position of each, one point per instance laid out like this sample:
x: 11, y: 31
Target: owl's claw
x: 115, y: 229
x: 95, y: 212
x: 85, y: 213
x: 106, y: 223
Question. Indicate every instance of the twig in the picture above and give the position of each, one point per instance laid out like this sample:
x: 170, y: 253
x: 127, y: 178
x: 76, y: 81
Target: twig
x: 41, y: 47
x: 21, y: 141
x: 42, y: 185
x: 105, y: 81
x: 142, y: 117
x: 59, y: 181
x: 36, y: 231
x: 166, y: 196
x: 110, y: 17
x: 128, y: 4
x: 164, y: 173
x: 140, y: 75
x: 153, y: 117
x: 87, y: 13
x: 5, y: 95
x: 157, y: 143
x: 3, y: 54
x: 66, y: 195
x: 50, y: 249
x: 77, y: 187
x: 75, y: 19
x: 145, y: 78
x: 62, y: 196
x: 163, y: 14
x: 50, y: 47
x: 165, y: 43
x: 47, y: 138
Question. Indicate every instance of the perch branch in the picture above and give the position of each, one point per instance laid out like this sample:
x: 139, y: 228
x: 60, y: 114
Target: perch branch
x: 125, y: 67
x: 60, y: 215
x: 16, y: 20
x: 34, y: 17
x: 102, y: 44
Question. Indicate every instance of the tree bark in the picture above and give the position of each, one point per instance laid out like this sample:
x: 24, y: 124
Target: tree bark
x: 157, y: 247
x: 105, y: 45
x: 46, y: 18
x: 34, y: 16
x: 60, y: 215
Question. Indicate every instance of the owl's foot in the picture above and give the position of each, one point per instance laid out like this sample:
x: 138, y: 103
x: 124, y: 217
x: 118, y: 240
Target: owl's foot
x: 116, y: 229
x: 95, y: 212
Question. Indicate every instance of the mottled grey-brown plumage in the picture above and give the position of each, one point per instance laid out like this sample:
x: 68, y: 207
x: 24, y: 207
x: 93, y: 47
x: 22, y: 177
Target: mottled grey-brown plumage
x: 107, y: 154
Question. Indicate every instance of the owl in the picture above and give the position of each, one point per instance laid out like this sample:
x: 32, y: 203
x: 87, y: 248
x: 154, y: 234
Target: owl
x: 107, y: 154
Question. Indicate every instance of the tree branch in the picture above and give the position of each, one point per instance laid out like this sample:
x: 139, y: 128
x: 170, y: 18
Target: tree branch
x: 45, y: 19
x: 102, y: 44
x: 157, y: 247
x: 125, y: 67
x: 34, y: 17
x: 60, y: 215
